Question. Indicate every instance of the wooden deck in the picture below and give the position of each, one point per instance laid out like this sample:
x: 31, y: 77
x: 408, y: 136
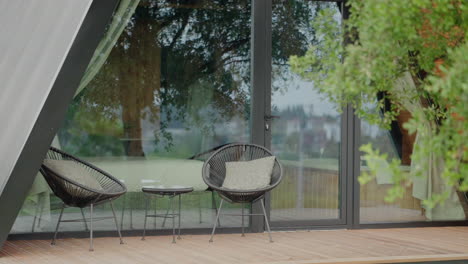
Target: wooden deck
x: 299, y: 247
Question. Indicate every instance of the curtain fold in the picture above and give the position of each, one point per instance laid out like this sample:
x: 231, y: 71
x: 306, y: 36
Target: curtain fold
x: 432, y: 166
x: 119, y: 21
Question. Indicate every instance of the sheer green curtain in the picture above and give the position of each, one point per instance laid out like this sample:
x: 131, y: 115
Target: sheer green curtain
x: 38, y: 195
x: 431, y: 182
x: 119, y: 21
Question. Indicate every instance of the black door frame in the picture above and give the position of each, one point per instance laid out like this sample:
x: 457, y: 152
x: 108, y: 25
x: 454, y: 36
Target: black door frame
x: 261, y: 74
x: 261, y: 87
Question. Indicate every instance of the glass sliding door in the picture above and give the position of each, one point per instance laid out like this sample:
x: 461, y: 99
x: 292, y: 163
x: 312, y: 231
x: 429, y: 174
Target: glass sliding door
x: 175, y: 84
x: 305, y: 128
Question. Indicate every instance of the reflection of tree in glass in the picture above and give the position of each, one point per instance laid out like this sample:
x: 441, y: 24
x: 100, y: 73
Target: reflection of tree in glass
x: 185, y: 64
x: 171, y: 54
x: 292, y: 34
x: 299, y: 130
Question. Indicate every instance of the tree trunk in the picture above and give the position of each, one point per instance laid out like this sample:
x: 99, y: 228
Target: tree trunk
x: 140, y: 79
x: 464, y: 202
x: 407, y: 138
x: 130, y: 80
x: 131, y: 117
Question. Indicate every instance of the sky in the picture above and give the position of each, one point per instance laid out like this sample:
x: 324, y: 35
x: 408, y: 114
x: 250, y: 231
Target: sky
x: 303, y: 93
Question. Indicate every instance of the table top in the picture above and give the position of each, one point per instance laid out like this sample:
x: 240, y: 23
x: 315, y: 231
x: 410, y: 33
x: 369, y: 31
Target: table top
x: 167, y: 190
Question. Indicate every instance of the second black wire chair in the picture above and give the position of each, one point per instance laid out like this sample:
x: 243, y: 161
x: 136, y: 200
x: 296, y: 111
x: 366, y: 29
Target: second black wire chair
x: 214, y: 174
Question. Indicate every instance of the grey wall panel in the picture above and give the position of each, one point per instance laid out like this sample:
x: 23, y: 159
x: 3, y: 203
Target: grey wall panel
x: 35, y: 37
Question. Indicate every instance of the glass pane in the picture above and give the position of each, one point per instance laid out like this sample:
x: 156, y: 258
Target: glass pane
x: 306, y: 134
x: 176, y: 84
x: 374, y: 209
x: 398, y: 143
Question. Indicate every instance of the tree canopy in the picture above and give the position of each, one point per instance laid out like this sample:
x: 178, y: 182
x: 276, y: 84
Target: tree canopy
x: 400, y: 56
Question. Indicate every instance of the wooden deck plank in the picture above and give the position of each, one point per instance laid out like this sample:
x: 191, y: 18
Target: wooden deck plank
x: 301, y: 247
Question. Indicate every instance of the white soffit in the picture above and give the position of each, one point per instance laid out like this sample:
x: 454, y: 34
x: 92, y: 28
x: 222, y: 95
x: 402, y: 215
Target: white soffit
x: 35, y: 38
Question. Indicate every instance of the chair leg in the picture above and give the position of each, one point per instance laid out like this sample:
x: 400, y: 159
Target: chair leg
x: 173, y: 219
x: 131, y: 212
x: 199, y: 210
x: 58, y: 224
x: 213, y: 203
x: 40, y: 216
x: 123, y: 211
x: 217, y: 219
x: 35, y: 217
x: 243, y: 234
x: 39, y: 210
x: 84, y: 219
x: 91, y: 245
x: 165, y: 216
x: 146, y: 216
x: 266, y: 219
x: 155, y: 212
x: 116, y: 223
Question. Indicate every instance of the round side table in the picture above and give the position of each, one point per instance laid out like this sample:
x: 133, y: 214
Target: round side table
x: 161, y: 191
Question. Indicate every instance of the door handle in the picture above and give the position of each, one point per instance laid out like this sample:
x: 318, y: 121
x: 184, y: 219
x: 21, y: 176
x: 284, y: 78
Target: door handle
x: 270, y: 117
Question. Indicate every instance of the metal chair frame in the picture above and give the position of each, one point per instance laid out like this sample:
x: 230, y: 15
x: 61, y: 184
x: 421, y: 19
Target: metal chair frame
x: 262, y: 201
x: 75, y: 194
x: 85, y: 220
x: 214, y: 172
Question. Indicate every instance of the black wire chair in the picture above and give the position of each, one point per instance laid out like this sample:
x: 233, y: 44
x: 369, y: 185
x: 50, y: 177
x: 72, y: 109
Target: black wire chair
x: 81, y: 194
x: 214, y: 173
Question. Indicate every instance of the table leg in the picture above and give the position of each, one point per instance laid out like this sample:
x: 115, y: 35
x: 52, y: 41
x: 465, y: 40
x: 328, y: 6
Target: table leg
x: 243, y: 234
x: 155, y: 211
x: 146, y: 216
x: 173, y: 219
x: 178, y: 215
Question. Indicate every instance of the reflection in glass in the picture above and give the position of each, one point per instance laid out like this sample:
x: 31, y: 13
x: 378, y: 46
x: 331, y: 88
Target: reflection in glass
x: 397, y: 143
x: 374, y: 208
x: 176, y: 84
x: 306, y: 136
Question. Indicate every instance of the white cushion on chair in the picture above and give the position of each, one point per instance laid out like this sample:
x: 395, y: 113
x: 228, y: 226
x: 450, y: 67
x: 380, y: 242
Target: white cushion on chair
x: 249, y: 175
x: 74, y: 171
